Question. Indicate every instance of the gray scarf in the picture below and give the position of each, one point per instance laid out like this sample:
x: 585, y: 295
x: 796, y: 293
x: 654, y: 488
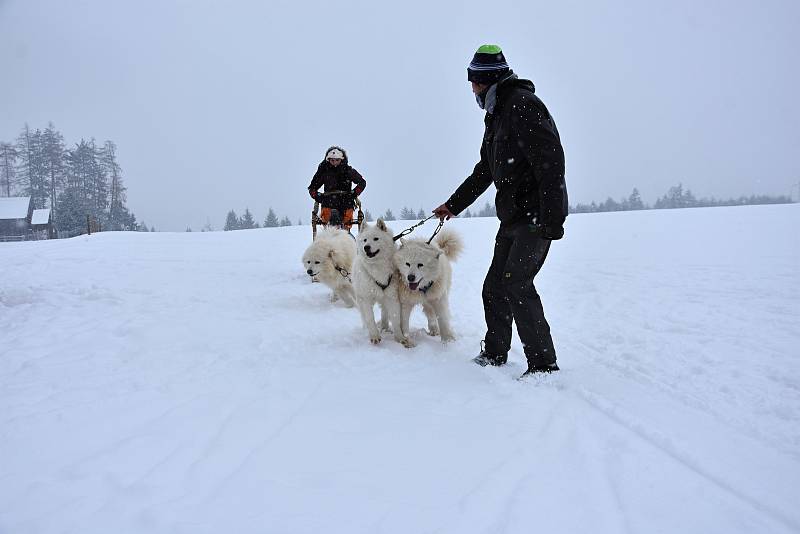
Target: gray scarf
x: 488, y: 100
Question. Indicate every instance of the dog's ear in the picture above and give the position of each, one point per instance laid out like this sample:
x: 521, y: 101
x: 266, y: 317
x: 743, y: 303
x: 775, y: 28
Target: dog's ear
x: 402, y: 241
x: 332, y: 255
x: 382, y: 226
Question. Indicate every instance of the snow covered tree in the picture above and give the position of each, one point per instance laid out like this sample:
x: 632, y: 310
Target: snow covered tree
x: 272, y: 220
x: 30, y: 172
x: 286, y: 221
x: 117, y: 217
x: 231, y: 222
x: 388, y: 216
x: 421, y: 214
x: 8, y: 163
x: 635, y: 201
x: 74, y: 201
x: 367, y: 216
x: 467, y: 214
x: 676, y: 197
x: 53, y: 165
x: 247, y: 222
x: 487, y: 211
x: 406, y: 214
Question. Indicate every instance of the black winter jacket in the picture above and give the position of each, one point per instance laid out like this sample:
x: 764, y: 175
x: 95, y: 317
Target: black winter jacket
x: 338, y: 178
x: 522, y: 154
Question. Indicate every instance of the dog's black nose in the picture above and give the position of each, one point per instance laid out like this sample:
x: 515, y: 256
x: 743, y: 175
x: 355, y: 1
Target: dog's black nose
x: 310, y: 272
x: 411, y: 277
x: 367, y: 248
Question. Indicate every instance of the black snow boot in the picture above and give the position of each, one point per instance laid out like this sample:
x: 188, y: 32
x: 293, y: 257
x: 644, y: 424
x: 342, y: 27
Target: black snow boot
x: 484, y: 358
x: 539, y: 369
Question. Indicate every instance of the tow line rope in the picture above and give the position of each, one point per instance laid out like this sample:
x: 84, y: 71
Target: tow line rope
x: 420, y: 223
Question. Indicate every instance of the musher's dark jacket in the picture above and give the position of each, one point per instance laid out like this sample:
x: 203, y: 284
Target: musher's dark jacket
x: 522, y: 154
x: 334, y: 179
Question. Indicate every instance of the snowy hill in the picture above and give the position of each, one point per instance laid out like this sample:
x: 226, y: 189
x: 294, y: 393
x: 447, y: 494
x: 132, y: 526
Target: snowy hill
x: 199, y: 383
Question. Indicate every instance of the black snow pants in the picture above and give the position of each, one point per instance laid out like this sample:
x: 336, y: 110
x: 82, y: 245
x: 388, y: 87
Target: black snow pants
x: 509, y: 294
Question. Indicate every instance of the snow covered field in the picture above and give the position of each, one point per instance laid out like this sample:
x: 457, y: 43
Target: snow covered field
x: 199, y: 383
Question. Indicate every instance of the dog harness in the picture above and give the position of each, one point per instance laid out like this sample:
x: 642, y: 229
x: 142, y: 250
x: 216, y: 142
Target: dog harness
x: 389, y: 281
x: 345, y: 274
x: 425, y: 289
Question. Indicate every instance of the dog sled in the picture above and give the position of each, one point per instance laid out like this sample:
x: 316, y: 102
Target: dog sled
x: 334, y: 217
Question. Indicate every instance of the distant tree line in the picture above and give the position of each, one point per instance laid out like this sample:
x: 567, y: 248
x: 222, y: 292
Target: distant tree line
x: 85, y: 180
x: 676, y: 197
x: 246, y: 221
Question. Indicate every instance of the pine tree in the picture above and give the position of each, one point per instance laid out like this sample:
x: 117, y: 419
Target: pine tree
x: 367, y: 216
x: 421, y: 214
x: 388, y: 216
x: 467, y: 214
x: 272, y: 220
x: 247, y: 222
x: 635, y: 200
x: 53, y: 154
x: 116, y: 218
x: 75, y: 201
x: 487, y: 211
x: 30, y: 173
x: 8, y: 175
x: 299, y: 222
x: 406, y: 214
x: 231, y: 222
x: 286, y: 222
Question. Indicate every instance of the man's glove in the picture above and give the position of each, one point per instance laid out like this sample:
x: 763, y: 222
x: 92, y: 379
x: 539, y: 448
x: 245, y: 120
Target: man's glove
x: 443, y: 212
x: 552, y: 233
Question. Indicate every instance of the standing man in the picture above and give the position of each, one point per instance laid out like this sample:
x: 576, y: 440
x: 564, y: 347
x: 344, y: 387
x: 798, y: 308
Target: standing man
x: 522, y: 155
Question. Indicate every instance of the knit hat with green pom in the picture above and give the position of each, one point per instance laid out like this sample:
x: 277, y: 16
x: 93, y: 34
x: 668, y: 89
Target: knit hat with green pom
x: 488, y: 65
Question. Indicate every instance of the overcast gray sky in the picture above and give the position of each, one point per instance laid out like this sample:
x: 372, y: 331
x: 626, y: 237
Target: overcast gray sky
x: 226, y: 105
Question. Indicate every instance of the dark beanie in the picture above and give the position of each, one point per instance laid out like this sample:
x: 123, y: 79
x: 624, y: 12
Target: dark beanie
x: 488, y: 65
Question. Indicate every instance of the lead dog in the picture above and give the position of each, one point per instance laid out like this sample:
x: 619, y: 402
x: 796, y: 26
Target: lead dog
x: 329, y: 259
x: 426, y: 276
x: 376, y: 280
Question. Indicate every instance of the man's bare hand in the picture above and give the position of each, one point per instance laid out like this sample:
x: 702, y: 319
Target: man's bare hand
x: 443, y: 212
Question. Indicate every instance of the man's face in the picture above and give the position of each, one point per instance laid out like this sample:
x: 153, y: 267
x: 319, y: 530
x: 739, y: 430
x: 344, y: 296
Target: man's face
x: 334, y: 161
x: 479, y: 88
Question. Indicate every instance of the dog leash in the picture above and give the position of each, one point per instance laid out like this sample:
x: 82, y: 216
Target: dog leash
x: 420, y: 223
x: 441, y: 223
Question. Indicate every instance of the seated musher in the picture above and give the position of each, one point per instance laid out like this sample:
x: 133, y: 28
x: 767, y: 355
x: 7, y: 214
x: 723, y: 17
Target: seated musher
x: 336, y: 176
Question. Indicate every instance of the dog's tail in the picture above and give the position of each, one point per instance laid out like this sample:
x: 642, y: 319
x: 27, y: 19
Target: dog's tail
x: 450, y: 243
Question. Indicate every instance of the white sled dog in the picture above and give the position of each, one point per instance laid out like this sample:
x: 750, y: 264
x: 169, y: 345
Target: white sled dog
x: 329, y: 259
x: 376, y: 281
x: 426, y: 275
